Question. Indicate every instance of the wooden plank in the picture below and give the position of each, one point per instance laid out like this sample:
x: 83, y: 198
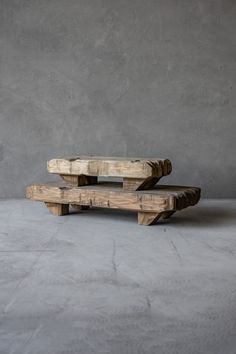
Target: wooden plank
x: 112, y: 195
x: 110, y: 166
x: 99, y: 197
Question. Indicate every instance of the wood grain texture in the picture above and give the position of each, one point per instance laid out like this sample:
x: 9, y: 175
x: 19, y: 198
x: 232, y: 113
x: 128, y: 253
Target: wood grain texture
x: 57, y: 208
x: 112, y: 195
x: 110, y: 166
x: 136, y: 184
x: 80, y: 180
x: 149, y: 218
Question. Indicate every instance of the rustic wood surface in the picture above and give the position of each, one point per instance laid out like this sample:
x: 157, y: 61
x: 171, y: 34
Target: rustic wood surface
x: 137, y: 184
x: 158, y: 202
x: 128, y: 183
x: 80, y: 180
x: 110, y: 166
x: 58, y: 209
x: 149, y: 218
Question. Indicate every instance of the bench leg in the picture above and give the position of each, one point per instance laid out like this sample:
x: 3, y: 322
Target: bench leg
x: 80, y: 180
x: 167, y: 214
x: 136, y: 184
x: 58, y: 209
x: 148, y: 218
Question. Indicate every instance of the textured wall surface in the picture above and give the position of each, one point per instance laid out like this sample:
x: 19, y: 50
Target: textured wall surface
x: 140, y: 77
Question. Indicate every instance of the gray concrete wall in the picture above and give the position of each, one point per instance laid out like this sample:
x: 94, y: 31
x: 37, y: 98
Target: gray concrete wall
x: 119, y: 77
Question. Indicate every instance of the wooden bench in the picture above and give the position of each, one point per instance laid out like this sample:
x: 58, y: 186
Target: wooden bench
x: 137, y: 173
x: 138, y: 190
x: 151, y: 205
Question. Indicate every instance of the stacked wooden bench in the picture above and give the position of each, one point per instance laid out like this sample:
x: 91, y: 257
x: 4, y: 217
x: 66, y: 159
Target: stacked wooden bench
x: 139, y: 191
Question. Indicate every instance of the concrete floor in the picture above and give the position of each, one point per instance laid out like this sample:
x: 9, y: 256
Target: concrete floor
x: 100, y: 283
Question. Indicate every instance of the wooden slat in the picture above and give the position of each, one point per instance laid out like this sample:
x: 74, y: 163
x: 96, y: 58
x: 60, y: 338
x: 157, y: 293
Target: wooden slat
x: 110, y: 166
x: 110, y: 195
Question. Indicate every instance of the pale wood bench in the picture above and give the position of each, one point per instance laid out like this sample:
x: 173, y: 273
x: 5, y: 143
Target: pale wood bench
x: 137, y: 191
x: 151, y: 205
x: 137, y: 173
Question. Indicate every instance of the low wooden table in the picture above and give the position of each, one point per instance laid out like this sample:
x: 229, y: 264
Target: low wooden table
x: 137, y: 192
x: 136, y: 173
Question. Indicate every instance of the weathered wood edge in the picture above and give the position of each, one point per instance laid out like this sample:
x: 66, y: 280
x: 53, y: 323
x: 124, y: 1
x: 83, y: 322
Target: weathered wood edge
x: 100, y: 198
x: 114, y: 198
x: 110, y: 167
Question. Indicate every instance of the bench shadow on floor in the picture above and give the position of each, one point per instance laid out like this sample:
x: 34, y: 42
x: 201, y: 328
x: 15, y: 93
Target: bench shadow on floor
x: 200, y: 215
x: 204, y: 215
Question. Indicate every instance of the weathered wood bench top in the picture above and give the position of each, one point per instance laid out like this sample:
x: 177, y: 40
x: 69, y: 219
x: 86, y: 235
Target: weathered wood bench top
x: 110, y: 166
x: 82, y: 188
x: 161, y: 201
